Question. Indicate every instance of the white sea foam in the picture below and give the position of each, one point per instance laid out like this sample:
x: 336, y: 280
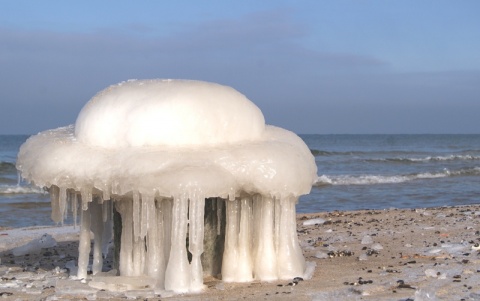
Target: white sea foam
x: 426, y: 159
x: 390, y: 179
x: 17, y: 189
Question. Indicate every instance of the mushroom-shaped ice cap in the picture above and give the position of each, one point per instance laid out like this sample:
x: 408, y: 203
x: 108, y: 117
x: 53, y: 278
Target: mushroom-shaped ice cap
x: 158, y: 136
x: 168, y: 112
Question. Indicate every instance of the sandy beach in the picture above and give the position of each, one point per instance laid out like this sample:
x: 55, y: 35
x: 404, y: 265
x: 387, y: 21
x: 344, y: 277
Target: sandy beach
x: 395, y: 254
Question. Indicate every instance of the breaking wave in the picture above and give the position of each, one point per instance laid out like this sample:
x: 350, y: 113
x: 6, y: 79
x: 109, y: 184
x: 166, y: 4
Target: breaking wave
x: 17, y: 189
x: 326, y: 180
x: 428, y: 159
x: 452, y: 157
x: 320, y: 153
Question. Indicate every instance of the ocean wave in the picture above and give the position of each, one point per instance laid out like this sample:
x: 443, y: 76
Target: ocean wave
x: 326, y: 180
x: 427, y: 159
x: 17, y: 189
x: 320, y: 153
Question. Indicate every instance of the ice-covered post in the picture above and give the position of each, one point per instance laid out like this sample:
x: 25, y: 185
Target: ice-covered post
x: 191, y: 168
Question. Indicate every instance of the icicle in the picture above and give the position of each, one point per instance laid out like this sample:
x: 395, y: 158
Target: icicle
x: 177, y: 275
x: 97, y: 229
x: 144, y: 215
x: 219, y: 215
x: 231, y: 195
x: 86, y: 197
x: 257, y: 210
x: 265, y: 267
x: 106, y: 193
x: 75, y: 208
x: 84, y: 243
x: 62, y: 203
x: 230, y: 253
x: 136, y: 215
x: 155, y: 260
x: 125, y: 207
x: 196, y: 235
x: 107, y: 210
x: 276, y: 222
x: 167, y: 208
x: 138, y: 256
x: 244, y: 266
x: 55, y: 203
x: 289, y: 252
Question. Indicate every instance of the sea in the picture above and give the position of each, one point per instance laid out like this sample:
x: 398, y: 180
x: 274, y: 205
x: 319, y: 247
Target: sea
x: 354, y: 172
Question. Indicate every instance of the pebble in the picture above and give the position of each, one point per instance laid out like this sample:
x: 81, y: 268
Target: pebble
x: 363, y: 257
x: 321, y: 255
x: 431, y: 273
x: 332, y: 254
x: 366, y: 240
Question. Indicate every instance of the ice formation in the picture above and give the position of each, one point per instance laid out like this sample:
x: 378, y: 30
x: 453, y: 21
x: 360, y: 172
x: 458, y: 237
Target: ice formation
x: 202, y: 186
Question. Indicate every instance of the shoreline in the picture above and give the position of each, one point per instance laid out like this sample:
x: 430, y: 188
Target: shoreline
x: 390, y: 254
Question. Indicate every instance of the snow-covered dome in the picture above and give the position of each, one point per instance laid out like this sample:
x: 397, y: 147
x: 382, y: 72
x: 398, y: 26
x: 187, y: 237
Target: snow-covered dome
x: 168, y: 112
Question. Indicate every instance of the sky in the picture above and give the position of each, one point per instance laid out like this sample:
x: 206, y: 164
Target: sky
x: 313, y: 67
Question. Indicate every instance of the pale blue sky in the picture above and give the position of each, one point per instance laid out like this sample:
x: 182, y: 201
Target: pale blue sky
x: 311, y: 66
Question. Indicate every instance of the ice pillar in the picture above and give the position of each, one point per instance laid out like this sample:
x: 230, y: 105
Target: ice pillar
x: 177, y: 274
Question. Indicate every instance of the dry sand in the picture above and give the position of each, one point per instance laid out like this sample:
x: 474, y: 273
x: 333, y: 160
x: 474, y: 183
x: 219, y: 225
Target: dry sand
x: 395, y: 254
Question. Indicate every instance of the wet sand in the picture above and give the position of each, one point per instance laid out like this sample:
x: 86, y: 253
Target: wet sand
x: 395, y: 254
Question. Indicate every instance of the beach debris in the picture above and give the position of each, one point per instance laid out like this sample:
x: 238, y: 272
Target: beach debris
x: 64, y: 287
x: 476, y: 247
x: 371, y: 252
x: 314, y: 221
x: 425, y: 294
x: 309, y: 270
x: 174, y: 164
x: 343, y: 253
x: 35, y: 246
x: 321, y: 255
x: 294, y: 282
x: 431, y: 273
x: 402, y: 284
x: 71, y: 266
x: 366, y: 240
x: 360, y: 281
x: 363, y: 257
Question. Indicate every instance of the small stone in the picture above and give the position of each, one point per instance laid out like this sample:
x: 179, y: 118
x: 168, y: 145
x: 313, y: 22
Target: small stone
x: 431, y: 273
x: 363, y: 257
x: 367, y: 239
x: 321, y: 255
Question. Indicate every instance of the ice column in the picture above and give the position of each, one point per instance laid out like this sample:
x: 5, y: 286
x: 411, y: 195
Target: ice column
x: 84, y: 244
x: 155, y: 261
x: 196, y: 234
x: 97, y: 229
x: 230, y: 253
x: 289, y: 253
x: 237, y: 260
x: 265, y: 261
x: 177, y: 275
